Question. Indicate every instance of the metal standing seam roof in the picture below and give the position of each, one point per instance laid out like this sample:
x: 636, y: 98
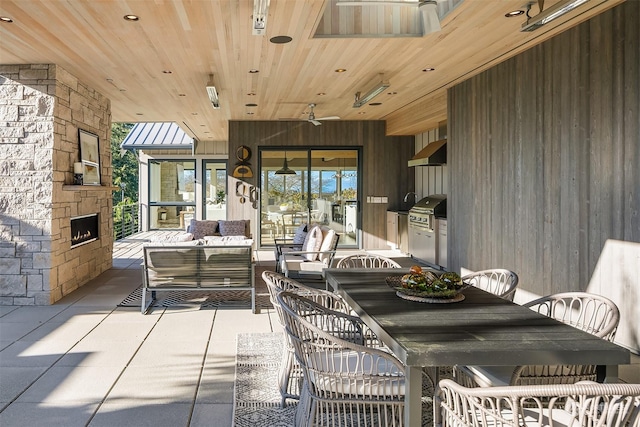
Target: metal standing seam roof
x: 157, y: 136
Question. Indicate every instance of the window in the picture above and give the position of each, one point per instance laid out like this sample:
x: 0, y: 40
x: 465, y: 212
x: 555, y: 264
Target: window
x: 172, y: 187
x: 215, y: 190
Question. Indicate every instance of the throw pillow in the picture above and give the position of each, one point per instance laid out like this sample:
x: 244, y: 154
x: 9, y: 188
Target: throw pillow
x: 201, y: 228
x: 328, y: 243
x: 232, y: 228
x: 300, y: 235
x: 312, y: 243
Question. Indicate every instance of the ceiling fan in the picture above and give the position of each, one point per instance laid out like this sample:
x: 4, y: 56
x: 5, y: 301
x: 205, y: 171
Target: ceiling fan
x: 428, y: 9
x: 316, y: 121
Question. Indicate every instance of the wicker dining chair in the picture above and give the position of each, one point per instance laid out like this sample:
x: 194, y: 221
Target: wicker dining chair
x: 367, y: 261
x: 498, y: 281
x: 589, y: 312
x: 290, y: 374
x: 346, y: 383
x: 582, y: 404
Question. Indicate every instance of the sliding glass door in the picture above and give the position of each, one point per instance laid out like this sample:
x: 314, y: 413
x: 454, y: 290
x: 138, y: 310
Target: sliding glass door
x: 215, y: 189
x: 171, y: 193
x: 310, y: 185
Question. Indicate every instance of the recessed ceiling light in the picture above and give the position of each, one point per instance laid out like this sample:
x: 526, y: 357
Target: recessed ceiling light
x: 110, y: 80
x: 375, y: 104
x: 392, y: 93
x: 167, y: 71
x: 138, y: 114
x: 253, y: 71
x: 280, y: 39
x: 194, y: 114
x: 514, y: 13
x: 182, y: 94
x: 131, y: 17
x: 340, y: 70
x: 251, y: 94
x: 426, y: 70
x: 123, y: 90
x: 361, y: 112
x: 250, y: 105
x: 202, y: 125
x: 250, y: 113
x: 321, y: 94
x: 6, y: 19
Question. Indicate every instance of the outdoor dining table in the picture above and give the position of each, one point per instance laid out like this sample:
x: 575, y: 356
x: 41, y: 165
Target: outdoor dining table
x: 483, y: 329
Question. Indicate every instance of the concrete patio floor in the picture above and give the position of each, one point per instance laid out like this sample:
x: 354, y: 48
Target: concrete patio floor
x: 86, y: 362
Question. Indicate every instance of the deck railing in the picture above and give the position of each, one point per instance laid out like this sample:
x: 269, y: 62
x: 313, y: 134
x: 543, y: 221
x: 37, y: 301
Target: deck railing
x: 125, y: 220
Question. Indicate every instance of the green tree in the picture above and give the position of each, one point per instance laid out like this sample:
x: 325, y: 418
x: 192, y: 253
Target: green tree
x: 125, y: 166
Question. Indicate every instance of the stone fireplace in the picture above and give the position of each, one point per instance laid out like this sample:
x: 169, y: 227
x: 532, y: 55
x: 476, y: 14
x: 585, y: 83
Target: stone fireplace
x: 42, y: 107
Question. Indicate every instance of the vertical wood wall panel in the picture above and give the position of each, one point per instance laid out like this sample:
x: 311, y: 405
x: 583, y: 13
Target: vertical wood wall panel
x: 544, y: 163
x: 384, y: 173
x: 430, y: 179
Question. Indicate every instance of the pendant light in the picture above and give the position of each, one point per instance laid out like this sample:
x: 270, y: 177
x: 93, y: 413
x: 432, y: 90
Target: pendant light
x: 285, y: 168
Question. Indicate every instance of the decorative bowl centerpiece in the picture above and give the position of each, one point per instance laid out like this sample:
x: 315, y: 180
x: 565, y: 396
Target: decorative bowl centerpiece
x: 428, y: 286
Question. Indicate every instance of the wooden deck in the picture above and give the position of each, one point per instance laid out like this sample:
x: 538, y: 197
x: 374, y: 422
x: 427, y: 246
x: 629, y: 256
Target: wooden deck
x: 131, y: 247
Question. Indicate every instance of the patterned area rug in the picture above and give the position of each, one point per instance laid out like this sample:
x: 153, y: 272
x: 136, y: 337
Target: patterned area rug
x: 205, y: 299
x: 257, y: 399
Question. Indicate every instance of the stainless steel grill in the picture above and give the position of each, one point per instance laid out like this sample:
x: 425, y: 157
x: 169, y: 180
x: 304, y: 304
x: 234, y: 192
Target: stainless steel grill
x: 422, y: 214
x: 423, y: 236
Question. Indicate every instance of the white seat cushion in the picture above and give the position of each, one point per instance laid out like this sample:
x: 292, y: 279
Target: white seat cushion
x: 299, y: 264
x: 346, y: 362
x: 228, y: 241
x: 490, y: 376
x: 561, y: 418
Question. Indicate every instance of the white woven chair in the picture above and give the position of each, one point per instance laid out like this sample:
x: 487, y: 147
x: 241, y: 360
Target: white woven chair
x: 498, y: 281
x: 346, y: 383
x: 290, y: 375
x: 589, y: 312
x: 366, y: 261
x: 584, y: 404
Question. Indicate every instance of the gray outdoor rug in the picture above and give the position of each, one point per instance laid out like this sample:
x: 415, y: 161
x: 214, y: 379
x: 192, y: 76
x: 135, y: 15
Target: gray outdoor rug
x: 256, y: 396
x: 205, y: 299
x: 257, y: 399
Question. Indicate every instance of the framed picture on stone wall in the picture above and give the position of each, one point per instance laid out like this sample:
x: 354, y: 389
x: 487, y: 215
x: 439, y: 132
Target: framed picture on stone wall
x: 90, y: 157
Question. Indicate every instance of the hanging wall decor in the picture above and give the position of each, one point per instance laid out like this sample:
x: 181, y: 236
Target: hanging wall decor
x: 243, y: 167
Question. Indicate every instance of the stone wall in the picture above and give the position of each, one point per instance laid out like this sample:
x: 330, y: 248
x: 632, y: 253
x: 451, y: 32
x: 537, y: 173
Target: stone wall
x: 41, y: 109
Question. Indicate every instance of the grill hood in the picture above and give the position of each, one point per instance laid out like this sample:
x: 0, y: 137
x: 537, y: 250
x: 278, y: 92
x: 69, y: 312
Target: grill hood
x: 434, y: 154
x: 435, y: 204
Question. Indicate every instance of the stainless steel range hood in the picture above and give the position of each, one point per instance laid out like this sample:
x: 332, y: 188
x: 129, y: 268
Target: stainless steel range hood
x: 434, y: 154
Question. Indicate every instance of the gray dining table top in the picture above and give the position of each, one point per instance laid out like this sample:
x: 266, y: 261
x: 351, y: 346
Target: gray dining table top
x: 483, y: 329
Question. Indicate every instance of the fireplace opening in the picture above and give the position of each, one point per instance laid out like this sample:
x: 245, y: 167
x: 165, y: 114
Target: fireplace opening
x: 84, y: 229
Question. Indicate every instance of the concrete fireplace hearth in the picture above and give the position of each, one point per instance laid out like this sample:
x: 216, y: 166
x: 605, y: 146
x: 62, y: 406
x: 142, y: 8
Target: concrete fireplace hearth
x: 42, y: 107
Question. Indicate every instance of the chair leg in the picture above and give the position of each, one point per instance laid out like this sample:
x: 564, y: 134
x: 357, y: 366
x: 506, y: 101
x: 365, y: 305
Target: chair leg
x: 285, y: 373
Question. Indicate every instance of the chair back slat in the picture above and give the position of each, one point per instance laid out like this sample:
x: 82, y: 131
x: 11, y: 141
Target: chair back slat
x: 500, y: 282
x: 366, y: 261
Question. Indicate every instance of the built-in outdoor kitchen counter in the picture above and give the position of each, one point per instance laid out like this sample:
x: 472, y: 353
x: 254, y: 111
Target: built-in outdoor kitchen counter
x: 398, y: 230
x: 424, y: 220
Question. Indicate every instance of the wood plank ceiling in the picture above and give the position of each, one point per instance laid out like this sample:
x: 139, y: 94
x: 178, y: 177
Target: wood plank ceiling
x: 156, y: 68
